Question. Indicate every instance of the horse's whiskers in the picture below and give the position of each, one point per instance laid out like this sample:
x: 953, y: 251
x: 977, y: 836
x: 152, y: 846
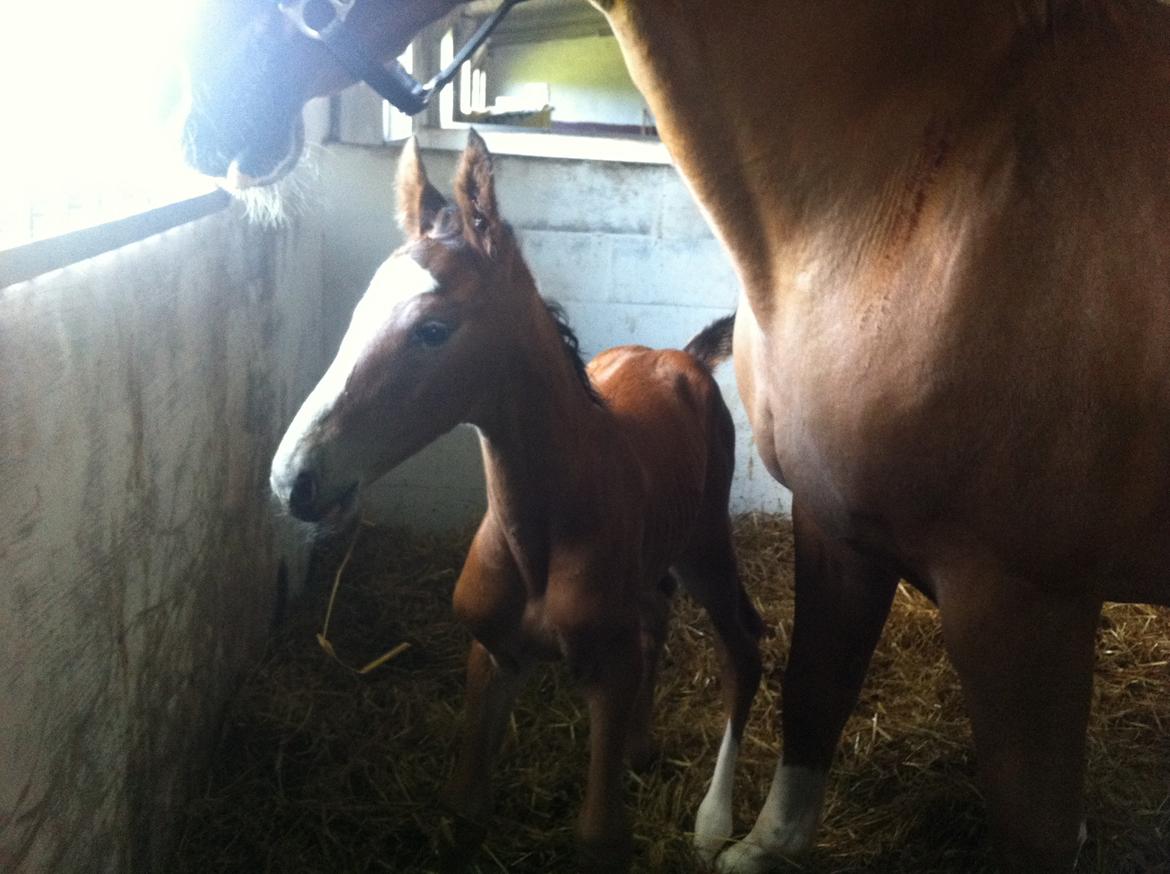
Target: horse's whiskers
x: 276, y: 205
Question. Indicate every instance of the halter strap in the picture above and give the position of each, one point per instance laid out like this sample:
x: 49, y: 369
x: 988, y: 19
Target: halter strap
x: 324, y: 21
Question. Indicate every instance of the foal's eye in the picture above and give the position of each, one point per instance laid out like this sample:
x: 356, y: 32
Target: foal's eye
x: 432, y: 333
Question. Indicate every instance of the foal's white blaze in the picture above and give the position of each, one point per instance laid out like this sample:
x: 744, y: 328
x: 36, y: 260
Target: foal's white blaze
x: 713, y: 821
x: 786, y: 825
x: 399, y: 280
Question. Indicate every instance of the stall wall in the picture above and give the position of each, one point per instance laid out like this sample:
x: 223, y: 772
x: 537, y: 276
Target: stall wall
x: 621, y: 245
x: 141, y: 396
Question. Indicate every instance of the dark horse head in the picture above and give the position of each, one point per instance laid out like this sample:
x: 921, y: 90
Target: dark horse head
x: 252, y: 71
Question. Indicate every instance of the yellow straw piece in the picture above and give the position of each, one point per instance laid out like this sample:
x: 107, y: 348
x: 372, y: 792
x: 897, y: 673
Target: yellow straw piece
x: 393, y: 653
x: 323, y: 635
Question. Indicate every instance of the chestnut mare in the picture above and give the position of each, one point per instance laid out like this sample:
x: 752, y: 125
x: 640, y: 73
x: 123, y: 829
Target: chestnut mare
x: 602, y: 484
x: 952, y: 225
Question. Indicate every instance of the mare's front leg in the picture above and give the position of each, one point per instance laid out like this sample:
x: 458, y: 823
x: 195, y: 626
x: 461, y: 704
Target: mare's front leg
x: 842, y: 601
x: 491, y: 691
x: 1025, y: 660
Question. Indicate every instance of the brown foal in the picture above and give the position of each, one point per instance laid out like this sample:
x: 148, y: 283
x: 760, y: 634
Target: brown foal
x: 602, y: 483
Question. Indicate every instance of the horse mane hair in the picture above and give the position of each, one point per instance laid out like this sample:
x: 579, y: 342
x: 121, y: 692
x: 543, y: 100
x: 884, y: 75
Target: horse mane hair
x: 572, y: 349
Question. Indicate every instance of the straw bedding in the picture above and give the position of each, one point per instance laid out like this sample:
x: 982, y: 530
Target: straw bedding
x: 323, y: 770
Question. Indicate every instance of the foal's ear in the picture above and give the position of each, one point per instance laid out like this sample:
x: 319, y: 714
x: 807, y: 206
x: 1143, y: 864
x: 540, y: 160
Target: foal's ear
x: 418, y: 201
x: 475, y: 193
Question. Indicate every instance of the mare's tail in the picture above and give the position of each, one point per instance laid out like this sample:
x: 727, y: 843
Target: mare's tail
x: 712, y: 345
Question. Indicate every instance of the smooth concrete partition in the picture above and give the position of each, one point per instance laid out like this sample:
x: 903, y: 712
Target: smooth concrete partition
x: 141, y: 396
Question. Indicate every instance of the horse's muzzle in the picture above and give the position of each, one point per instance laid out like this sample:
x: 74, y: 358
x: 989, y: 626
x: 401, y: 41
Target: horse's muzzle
x: 307, y: 503
x: 302, y: 499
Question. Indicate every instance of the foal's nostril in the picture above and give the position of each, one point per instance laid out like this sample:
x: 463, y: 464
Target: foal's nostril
x: 303, y: 494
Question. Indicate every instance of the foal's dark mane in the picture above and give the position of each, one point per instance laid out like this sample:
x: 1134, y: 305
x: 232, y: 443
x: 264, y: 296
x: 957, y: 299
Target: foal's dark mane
x: 572, y: 349
x: 447, y: 227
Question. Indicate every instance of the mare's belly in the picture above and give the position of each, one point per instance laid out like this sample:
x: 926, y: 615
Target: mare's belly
x: 932, y: 459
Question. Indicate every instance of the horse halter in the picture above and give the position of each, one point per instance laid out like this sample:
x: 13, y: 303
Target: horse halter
x: 324, y: 21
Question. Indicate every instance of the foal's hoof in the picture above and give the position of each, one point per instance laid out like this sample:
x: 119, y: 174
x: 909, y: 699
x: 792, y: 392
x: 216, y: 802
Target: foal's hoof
x: 746, y: 857
x: 642, y: 755
x: 459, y: 843
x: 712, y: 829
x: 610, y: 856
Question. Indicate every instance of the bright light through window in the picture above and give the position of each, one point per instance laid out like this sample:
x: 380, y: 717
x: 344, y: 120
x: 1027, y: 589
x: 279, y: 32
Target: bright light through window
x: 398, y: 125
x: 92, y: 96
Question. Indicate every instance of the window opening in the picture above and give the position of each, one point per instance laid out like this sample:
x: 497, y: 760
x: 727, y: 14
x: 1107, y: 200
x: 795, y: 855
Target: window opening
x: 93, y: 95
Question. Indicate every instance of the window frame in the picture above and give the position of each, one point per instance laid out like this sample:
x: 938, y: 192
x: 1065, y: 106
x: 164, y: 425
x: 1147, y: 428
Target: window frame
x: 360, y: 117
x: 30, y: 260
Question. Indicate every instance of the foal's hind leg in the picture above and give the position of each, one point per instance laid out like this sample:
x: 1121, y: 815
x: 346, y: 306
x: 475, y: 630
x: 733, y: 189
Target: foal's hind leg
x: 653, y: 615
x: 709, y: 574
x: 842, y: 601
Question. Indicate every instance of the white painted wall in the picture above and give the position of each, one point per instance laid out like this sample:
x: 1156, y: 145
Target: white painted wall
x: 622, y: 246
x: 141, y: 397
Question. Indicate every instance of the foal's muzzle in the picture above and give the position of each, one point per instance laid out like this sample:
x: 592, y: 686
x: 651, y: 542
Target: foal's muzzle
x: 307, y: 502
x: 302, y: 500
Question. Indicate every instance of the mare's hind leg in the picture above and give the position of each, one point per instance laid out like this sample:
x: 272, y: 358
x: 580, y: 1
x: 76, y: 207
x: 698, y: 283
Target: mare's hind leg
x: 842, y: 601
x: 1025, y: 660
x: 491, y: 690
x: 653, y: 615
x: 709, y: 574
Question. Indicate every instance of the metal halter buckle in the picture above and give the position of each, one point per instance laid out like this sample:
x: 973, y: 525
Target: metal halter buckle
x: 314, y: 17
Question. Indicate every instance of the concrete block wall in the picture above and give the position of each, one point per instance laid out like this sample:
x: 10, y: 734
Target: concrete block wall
x: 141, y: 396
x: 622, y: 246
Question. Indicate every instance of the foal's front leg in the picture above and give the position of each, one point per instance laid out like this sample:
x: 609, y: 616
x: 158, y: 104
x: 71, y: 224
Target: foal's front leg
x: 612, y: 674
x: 491, y: 690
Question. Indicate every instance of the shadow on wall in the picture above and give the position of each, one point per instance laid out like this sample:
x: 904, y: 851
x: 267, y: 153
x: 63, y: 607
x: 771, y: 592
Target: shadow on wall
x: 141, y: 396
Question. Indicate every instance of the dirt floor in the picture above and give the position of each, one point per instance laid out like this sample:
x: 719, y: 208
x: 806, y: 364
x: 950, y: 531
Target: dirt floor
x: 321, y: 769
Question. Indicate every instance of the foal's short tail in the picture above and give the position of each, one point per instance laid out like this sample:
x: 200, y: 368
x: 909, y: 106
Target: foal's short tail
x: 712, y: 345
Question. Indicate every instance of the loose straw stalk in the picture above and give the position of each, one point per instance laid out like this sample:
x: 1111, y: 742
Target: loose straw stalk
x: 322, y: 771
x: 323, y: 634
